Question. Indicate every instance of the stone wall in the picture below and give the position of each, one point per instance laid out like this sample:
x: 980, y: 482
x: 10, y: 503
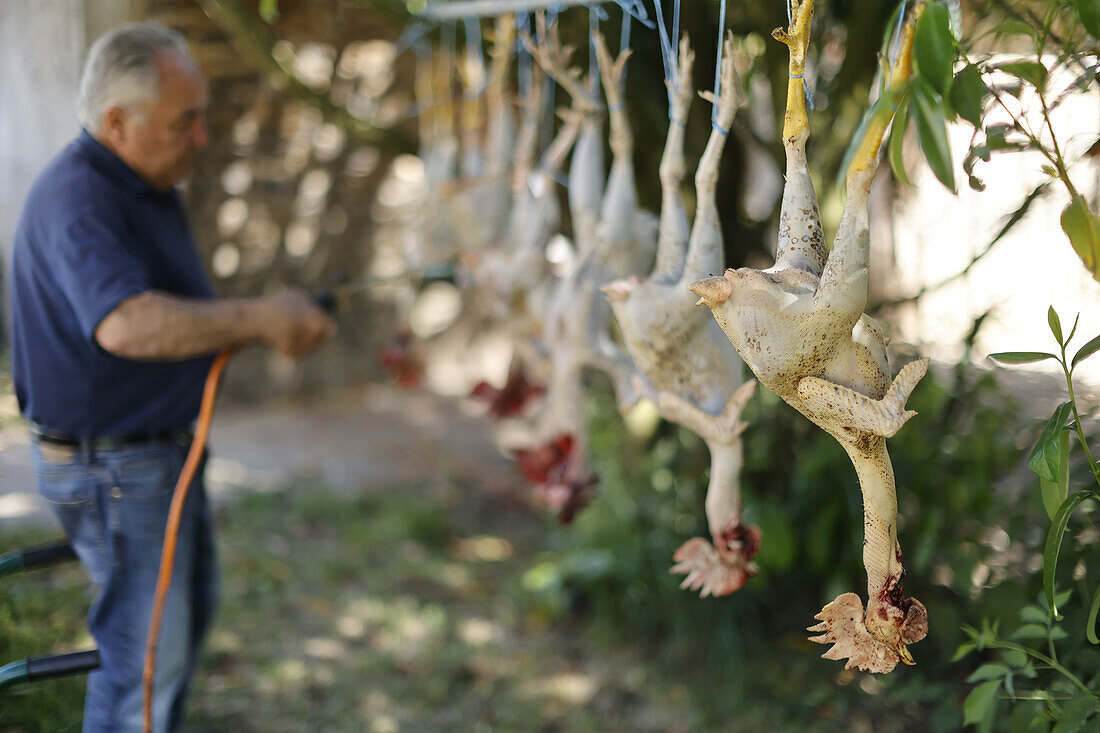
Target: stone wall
x: 282, y: 197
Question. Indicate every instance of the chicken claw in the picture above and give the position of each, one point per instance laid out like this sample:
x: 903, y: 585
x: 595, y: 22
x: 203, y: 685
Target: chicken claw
x: 842, y: 625
x: 717, y: 571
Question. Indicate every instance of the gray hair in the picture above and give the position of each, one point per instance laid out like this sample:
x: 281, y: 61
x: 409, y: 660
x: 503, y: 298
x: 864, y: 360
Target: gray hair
x: 121, y: 69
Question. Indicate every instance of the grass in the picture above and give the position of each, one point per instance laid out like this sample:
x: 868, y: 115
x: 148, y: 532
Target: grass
x: 403, y: 610
x: 433, y: 608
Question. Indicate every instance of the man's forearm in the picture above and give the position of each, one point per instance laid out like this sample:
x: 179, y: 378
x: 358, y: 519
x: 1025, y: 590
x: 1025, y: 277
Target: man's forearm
x: 157, y: 326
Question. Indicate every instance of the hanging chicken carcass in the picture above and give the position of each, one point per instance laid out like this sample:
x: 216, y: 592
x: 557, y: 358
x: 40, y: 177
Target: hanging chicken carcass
x: 800, y: 327
x: 680, y: 349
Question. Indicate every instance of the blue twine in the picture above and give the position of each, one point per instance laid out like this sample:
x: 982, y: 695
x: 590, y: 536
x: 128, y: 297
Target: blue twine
x: 718, y: 65
x: 624, y: 43
x: 668, y: 57
x: 593, y: 64
x: 413, y: 33
x: 636, y: 10
x: 676, y: 29
x: 716, y: 126
x: 897, y: 34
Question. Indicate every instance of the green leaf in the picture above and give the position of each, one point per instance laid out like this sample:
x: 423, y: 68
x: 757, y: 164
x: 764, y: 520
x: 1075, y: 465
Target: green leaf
x: 991, y: 671
x: 896, y: 143
x: 1089, y: 13
x: 1086, y: 351
x: 1032, y: 72
x: 1073, y: 330
x: 1083, y: 230
x: 934, y: 46
x: 1090, y: 627
x: 1074, y: 714
x: 927, y: 109
x: 1057, y: 633
x: 1054, y: 492
x: 979, y: 703
x: 1055, y: 324
x: 1021, y: 357
x: 857, y: 137
x: 1013, y: 26
x: 964, y: 649
x: 1015, y: 658
x: 1053, y: 546
x: 1030, y: 631
x: 1034, y: 614
x: 1045, y: 457
x: 968, y: 93
x: 269, y: 10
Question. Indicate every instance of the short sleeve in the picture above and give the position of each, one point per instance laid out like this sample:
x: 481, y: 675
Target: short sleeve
x: 94, y: 268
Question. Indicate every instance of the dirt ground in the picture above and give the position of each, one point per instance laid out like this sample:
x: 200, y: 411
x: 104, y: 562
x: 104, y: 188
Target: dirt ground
x: 361, y: 438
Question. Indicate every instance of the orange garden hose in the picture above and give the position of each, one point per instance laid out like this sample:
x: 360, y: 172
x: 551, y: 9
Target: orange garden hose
x: 171, y: 532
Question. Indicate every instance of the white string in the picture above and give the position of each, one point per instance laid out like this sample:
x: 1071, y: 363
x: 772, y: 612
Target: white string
x: 593, y: 64
x: 475, y: 56
x: 667, y: 58
x: 718, y: 68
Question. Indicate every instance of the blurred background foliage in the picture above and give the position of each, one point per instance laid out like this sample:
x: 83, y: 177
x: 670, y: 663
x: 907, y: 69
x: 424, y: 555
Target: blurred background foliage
x: 972, y: 521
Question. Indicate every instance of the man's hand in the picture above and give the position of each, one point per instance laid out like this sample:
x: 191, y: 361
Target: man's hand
x: 295, y: 324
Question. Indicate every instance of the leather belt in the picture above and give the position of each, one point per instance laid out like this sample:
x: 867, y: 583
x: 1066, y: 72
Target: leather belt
x: 114, y: 442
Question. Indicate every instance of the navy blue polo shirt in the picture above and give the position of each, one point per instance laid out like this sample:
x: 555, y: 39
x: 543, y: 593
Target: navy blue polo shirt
x: 93, y: 234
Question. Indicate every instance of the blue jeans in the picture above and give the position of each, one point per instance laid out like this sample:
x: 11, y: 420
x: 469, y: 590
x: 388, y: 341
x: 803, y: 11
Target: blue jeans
x: 114, y: 506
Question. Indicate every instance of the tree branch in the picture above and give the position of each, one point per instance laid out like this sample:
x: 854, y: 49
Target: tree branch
x: 254, y: 38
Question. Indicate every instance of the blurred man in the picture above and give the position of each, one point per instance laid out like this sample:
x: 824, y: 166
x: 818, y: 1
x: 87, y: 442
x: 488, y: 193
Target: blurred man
x: 114, y: 324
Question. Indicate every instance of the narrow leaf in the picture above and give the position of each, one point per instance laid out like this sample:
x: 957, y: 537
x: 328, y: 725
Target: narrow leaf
x: 1090, y: 628
x: 1015, y: 658
x: 968, y: 94
x: 1032, y: 72
x: 1074, y: 329
x: 1089, y: 13
x: 269, y: 10
x: 1055, y: 324
x: 1053, y: 545
x: 934, y: 46
x: 1044, y: 459
x: 1030, y: 631
x: 896, y: 144
x: 979, y: 703
x: 857, y: 137
x: 991, y: 671
x: 1021, y: 357
x: 1034, y: 614
x: 1086, y: 351
x: 1083, y: 230
x: 964, y: 649
x: 927, y: 111
x: 1055, y: 492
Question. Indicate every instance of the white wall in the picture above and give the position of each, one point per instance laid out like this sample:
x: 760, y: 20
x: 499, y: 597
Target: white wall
x: 42, y: 47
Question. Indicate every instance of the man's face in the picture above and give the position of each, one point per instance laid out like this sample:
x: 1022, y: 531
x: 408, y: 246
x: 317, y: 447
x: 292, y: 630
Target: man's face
x: 159, y: 139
